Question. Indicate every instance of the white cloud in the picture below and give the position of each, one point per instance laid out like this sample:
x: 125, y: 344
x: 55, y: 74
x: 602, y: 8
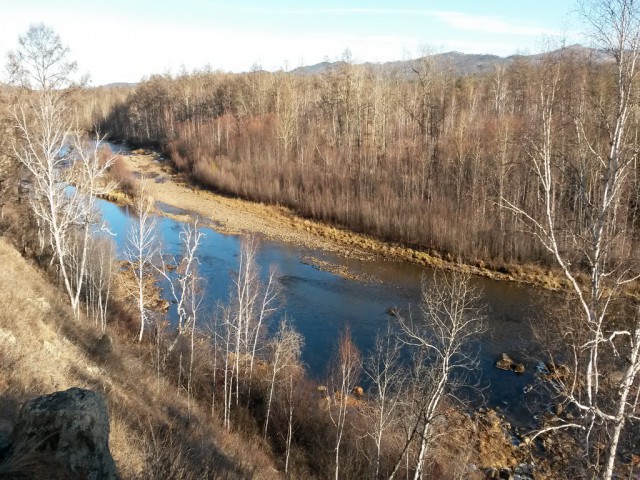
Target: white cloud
x: 458, y: 20
x: 490, y: 24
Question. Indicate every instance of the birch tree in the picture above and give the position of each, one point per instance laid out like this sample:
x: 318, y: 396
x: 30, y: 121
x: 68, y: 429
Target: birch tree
x: 140, y: 252
x: 184, y: 287
x: 285, y: 351
x: 191, y: 291
x: 254, y: 303
x: 608, y: 147
x: 47, y: 143
x: 242, y: 323
x: 344, y: 376
x: 383, y: 369
x: 440, y: 340
x: 98, y: 278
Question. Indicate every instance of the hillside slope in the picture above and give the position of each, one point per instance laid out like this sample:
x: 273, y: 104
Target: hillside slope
x: 43, y: 349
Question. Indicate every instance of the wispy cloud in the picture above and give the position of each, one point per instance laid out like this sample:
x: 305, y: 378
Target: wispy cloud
x: 317, y: 11
x: 489, y: 24
x: 457, y: 20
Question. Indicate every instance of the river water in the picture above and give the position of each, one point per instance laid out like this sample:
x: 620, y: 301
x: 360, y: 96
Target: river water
x: 321, y: 303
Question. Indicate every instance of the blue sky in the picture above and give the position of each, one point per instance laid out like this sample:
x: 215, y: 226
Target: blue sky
x: 123, y: 40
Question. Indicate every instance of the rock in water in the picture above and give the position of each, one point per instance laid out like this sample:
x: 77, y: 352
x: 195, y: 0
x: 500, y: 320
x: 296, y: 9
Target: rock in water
x: 68, y: 430
x: 519, y: 368
x: 504, y: 362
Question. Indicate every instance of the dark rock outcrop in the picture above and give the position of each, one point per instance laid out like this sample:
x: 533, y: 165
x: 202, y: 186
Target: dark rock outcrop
x: 65, y: 432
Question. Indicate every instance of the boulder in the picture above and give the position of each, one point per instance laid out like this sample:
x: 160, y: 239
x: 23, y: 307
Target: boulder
x: 491, y: 474
x: 558, y: 370
x: 505, y: 474
x: 163, y: 305
x: 518, y: 368
x: 504, y: 362
x: 68, y: 432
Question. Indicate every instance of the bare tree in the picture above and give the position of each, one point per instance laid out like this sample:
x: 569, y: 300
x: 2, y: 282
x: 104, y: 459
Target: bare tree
x: 191, y: 289
x: 451, y: 319
x: 293, y: 375
x: 227, y: 330
x: 47, y: 142
x: 384, y: 370
x: 184, y: 285
x: 141, y: 250
x: 98, y: 278
x: 88, y: 174
x: 343, y: 378
x: 285, y: 350
x: 616, y: 28
x: 41, y: 62
x: 254, y: 302
x: 246, y: 295
x: 240, y: 325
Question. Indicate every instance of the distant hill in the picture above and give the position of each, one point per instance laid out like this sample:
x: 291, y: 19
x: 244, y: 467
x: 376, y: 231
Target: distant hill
x: 118, y: 85
x: 459, y: 63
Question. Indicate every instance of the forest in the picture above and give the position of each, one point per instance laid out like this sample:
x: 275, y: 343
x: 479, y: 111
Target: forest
x: 428, y: 159
x: 533, y: 163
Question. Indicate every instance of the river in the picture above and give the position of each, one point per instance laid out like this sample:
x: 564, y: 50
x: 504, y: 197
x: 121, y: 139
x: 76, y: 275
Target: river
x: 321, y: 303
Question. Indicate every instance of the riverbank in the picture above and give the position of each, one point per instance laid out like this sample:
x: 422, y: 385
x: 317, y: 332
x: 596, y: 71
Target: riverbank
x: 43, y: 349
x: 236, y: 216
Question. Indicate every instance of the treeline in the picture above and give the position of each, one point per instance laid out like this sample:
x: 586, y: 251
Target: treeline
x: 426, y: 160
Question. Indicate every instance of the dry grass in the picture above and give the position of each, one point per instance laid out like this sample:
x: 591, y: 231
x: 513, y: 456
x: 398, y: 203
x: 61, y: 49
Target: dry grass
x: 43, y: 349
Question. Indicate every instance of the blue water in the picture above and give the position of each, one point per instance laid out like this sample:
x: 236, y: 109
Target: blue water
x: 321, y: 304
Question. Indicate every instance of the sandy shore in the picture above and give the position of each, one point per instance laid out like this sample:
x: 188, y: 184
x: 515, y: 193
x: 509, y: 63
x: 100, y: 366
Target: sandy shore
x: 235, y: 216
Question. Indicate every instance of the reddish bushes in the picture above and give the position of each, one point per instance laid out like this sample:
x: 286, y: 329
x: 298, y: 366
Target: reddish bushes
x: 121, y: 174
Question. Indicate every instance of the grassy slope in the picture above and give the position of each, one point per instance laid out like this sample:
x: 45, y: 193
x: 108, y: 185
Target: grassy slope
x: 42, y: 349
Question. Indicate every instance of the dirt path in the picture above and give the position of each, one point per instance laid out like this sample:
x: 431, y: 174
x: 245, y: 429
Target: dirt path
x: 237, y: 216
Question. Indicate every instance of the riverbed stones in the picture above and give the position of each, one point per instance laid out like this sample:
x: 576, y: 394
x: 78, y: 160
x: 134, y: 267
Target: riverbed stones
x: 518, y: 368
x: 505, y: 362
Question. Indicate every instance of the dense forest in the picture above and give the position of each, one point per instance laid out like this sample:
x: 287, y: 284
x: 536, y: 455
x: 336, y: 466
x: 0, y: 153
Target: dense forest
x: 427, y: 159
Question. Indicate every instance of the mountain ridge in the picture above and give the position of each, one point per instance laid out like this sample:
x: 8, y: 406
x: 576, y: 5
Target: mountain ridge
x: 460, y: 63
